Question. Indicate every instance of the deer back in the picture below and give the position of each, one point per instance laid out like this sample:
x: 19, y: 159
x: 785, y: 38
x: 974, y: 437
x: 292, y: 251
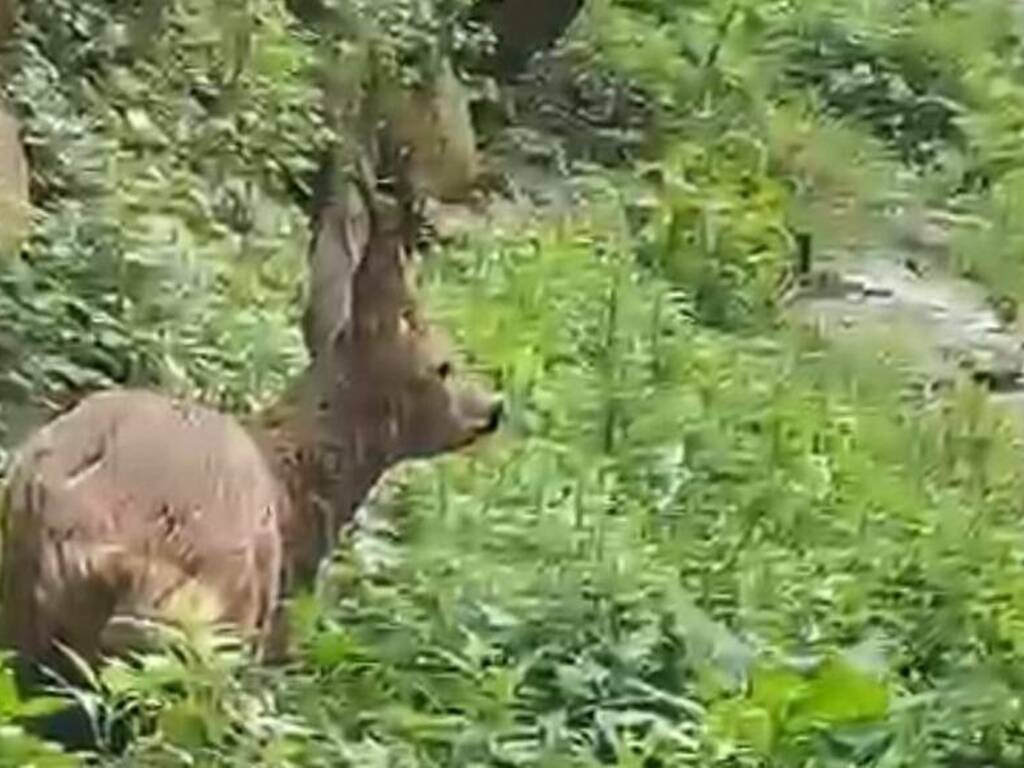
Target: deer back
x: 136, y: 504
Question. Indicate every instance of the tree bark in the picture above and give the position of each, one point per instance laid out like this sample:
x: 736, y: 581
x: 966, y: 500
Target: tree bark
x: 8, y: 15
x: 14, y: 185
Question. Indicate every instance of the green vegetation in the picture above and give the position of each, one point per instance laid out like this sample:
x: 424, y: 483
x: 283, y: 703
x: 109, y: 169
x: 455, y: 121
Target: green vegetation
x: 703, y: 540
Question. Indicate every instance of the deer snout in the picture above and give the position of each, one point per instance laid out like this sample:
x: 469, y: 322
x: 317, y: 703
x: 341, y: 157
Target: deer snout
x: 495, y: 416
x: 481, y: 411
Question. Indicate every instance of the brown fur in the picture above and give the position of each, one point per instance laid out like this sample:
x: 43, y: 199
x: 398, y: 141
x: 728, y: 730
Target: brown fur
x: 134, y: 505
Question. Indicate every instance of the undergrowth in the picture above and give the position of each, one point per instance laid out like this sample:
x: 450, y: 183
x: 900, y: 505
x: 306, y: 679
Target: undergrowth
x: 702, y: 539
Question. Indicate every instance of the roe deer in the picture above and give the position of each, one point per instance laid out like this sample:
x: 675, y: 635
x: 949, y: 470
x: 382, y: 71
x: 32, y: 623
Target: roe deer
x: 135, y: 505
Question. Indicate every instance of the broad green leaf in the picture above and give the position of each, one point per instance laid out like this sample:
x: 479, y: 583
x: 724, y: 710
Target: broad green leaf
x: 840, y: 694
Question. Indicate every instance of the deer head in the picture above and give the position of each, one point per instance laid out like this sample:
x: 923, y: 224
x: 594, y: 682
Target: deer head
x: 385, y: 381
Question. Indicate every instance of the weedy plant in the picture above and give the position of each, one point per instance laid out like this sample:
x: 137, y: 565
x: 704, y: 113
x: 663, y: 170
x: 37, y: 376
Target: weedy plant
x: 702, y: 541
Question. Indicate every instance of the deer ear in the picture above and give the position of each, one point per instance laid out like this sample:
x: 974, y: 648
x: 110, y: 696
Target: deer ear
x: 341, y: 237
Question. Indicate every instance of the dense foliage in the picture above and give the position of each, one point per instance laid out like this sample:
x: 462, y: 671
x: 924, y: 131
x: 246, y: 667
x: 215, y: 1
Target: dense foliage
x: 702, y: 540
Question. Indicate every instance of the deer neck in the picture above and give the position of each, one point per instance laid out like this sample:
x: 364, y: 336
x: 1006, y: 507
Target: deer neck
x: 326, y: 466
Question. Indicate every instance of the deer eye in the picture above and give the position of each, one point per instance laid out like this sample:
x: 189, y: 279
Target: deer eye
x: 444, y: 370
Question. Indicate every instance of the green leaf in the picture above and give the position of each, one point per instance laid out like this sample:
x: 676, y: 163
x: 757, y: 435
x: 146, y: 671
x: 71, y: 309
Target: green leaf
x: 840, y: 694
x: 776, y: 689
x: 741, y: 723
x: 329, y: 650
x: 184, y: 725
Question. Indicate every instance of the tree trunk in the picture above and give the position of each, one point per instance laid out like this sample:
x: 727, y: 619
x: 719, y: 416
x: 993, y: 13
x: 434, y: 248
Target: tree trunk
x: 8, y: 15
x: 14, y: 189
